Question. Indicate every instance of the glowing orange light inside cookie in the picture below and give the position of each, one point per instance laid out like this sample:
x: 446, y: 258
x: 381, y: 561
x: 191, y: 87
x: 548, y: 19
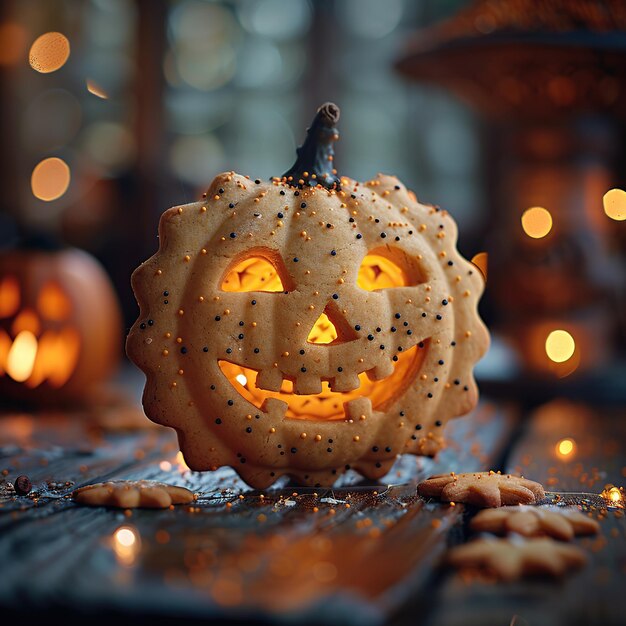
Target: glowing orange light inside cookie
x: 375, y: 272
x: 126, y: 544
x: 537, y: 222
x: 480, y: 260
x: 50, y: 179
x: 49, y: 52
x: 566, y: 448
x: 560, y: 346
x: 614, y: 202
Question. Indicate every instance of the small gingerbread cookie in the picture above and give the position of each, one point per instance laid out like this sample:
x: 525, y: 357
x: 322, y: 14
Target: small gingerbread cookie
x: 308, y: 324
x: 131, y: 494
x: 533, y: 521
x: 482, y: 489
x: 512, y: 560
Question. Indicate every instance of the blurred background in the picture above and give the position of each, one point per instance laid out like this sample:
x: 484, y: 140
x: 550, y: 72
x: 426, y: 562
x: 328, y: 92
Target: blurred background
x: 508, y: 114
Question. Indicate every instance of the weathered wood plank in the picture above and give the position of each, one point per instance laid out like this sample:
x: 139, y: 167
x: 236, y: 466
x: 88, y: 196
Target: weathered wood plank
x: 353, y: 553
x: 592, y: 596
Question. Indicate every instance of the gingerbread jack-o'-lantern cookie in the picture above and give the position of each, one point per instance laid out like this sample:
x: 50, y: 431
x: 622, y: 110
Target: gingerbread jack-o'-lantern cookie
x: 308, y: 324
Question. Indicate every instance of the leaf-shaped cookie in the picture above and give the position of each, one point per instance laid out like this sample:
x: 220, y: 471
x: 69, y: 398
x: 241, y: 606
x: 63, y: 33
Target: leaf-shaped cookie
x: 533, y: 521
x: 512, y: 560
x: 482, y: 489
x: 130, y: 494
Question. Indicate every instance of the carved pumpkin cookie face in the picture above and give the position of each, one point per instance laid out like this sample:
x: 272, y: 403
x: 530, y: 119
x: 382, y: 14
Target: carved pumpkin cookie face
x: 306, y: 331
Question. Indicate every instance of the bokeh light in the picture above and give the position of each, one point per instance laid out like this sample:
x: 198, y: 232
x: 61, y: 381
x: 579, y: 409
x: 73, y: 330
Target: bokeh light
x: 110, y: 144
x: 537, y: 222
x: 195, y: 159
x: 566, y: 448
x: 277, y: 19
x: 96, y: 90
x: 49, y: 52
x: 481, y: 261
x: 614, y: 202
x: 12, y: 43
x: 126, y: 544
x: 560, y: 346
x: 50, y: 179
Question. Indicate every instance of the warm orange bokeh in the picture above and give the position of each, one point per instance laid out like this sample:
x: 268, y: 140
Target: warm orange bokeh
x: 49, y: 52
x: 376, y: 272
x: 50, y: 179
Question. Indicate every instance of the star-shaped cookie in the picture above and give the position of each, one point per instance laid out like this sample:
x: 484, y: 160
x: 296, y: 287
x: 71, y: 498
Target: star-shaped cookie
x: 534, y: 521
x: 512, y: 560
x: 482, y: 489
x: 130, y: 494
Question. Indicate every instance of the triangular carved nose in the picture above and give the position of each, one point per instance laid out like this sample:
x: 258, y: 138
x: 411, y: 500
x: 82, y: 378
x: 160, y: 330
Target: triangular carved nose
x: 323, y: 331
x: 331, y: 327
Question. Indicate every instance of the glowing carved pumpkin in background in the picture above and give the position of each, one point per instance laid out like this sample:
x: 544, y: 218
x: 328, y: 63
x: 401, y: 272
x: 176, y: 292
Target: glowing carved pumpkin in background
x: 307, y: 325
x: 59, y: 324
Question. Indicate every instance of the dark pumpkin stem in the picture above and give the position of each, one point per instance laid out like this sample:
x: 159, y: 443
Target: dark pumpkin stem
x: 315, y: 162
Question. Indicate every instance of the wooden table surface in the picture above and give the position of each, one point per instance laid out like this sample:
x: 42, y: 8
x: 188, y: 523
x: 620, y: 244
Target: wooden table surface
x: 354, y: 554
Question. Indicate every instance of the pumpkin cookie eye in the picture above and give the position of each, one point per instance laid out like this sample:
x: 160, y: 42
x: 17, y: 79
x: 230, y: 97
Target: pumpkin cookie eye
x: 258, y: 269
x: 386, y: 268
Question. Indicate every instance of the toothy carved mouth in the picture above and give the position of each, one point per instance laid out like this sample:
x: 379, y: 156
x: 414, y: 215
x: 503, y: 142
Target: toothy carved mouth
x: 369, y: 395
